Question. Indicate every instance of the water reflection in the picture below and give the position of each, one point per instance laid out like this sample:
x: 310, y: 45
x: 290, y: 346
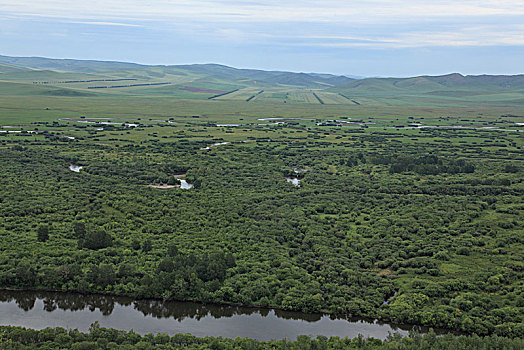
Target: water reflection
x: 46, y: 309
x: 147, y: 307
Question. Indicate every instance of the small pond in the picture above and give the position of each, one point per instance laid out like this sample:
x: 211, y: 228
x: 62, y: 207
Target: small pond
x: 185, y: 185
x: 294, y: 181
x: 75, y: 168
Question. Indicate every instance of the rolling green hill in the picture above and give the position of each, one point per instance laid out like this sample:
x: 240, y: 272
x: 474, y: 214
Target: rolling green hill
x: 9, y: 68
x: 453, y: 81
x: 451, y: 90
x: 68, y: 65
x: 205, y: 81
x: 214, y: 70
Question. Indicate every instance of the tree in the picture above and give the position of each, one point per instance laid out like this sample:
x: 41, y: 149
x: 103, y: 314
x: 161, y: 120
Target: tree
x: 106, y: 275
x: 147, y: 245
x: 97, y: 239
x: 25, y: 275
x: 166, y: 265
x: 172, y: 250
x: 135, y: 244
x: 43, y: 233
x: 80, y: 230
x: 101, y: 275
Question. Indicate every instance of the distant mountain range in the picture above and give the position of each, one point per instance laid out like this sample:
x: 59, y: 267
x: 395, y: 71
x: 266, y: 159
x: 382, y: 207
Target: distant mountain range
x: 420, y: 83
x: 275, y: 85
x: 438, y: 83
x: 215, y: 70
x: 68, y: 65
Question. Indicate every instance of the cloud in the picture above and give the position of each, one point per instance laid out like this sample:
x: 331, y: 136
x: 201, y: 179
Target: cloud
x: 329, y: 23
x: 106, y: 23
x: 468, y: 36
x: 362, y: 11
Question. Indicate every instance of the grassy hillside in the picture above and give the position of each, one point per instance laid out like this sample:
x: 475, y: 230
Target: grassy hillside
x: 9, y: 68
x: 437, y: 83
x: 450, y: 90
x: 209, y: 70
x: 223, y: 83
x: 68, y: 65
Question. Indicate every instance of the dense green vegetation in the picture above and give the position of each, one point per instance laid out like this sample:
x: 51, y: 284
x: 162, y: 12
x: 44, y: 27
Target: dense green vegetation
x: 414, y: 232
x: 100, y: 338
x: 420, y: 226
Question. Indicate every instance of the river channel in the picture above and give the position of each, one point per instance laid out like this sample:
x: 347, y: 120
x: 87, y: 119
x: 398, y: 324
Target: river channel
x: 39, y: 310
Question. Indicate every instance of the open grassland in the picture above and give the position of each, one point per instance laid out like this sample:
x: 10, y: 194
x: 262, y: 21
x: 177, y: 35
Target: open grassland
x: 184, y: 83
x: 27, y: 103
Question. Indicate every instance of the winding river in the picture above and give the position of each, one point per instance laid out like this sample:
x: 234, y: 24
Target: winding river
x: 39, y: 310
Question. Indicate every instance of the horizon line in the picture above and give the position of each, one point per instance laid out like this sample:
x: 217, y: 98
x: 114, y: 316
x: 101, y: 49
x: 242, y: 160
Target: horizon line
x: 351, y: 76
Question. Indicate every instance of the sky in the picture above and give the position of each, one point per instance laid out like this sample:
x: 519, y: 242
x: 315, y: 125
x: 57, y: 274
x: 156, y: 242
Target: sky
x: 353, y: 37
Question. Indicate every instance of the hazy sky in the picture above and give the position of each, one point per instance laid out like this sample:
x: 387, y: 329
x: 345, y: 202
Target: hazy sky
x: 368, y: 38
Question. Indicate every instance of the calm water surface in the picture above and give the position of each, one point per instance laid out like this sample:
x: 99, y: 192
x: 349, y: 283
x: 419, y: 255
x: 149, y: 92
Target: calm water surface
x: 185, y: 185
x: 294, y: 181
x: 75, y: 168
x: 68, y: 310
